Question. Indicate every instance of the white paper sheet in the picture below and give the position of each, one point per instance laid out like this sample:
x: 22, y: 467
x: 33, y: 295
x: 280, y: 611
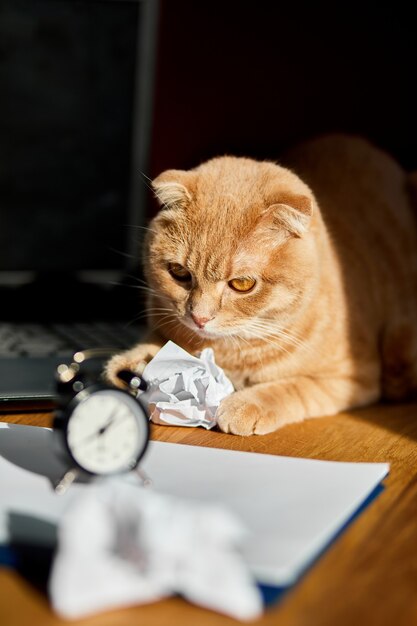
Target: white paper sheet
x: 184, y: 390
x: 291, y: 507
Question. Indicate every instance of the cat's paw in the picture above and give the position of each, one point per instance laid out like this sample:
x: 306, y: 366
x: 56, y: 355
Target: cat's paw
x: 239, y: 415
x: 133, y: 360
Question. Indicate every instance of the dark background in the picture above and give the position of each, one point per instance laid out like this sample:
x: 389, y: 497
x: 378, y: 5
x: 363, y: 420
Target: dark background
x: 66, y: 96
x: 251, y: 78
x: 237, y: 77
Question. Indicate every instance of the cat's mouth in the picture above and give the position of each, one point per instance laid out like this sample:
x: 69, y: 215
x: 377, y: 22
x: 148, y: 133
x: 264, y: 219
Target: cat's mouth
x: 201, y: 331
x: 208, y: 332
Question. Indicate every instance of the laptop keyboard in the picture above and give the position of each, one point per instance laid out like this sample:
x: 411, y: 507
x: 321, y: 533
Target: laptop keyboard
x: 41, y: 340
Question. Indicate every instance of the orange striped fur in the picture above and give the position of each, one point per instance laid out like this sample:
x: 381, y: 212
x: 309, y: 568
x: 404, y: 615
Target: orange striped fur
x: 331, y: 322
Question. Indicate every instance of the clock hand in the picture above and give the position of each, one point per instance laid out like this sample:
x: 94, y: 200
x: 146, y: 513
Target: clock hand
x: 116, y: 420
x: 98, y: 433
x: 103, y: 429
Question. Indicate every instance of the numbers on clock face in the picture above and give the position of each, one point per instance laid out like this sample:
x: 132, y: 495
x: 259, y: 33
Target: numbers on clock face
x: 104, y: 434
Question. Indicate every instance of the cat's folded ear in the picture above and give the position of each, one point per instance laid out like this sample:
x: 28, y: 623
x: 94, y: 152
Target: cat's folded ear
x: 291, y: 212
x: 174, y: 188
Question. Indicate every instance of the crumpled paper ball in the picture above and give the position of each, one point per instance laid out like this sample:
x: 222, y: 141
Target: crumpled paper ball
x: 184, y: 390
x: 120, y: 544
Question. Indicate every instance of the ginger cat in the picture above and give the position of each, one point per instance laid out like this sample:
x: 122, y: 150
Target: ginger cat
x: 304, y: 284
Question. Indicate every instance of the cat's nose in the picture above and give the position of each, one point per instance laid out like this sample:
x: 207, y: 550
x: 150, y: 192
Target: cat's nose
x: 200, y: 321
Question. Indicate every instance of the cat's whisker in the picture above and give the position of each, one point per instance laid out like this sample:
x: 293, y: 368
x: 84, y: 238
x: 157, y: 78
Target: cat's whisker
x: 250, y: 348
x: 279, y: 335
x: 166, y: 322
x: 258, y: 350
x: 145, y: 176
x: 193, y: 337
x: 236, y: 341
x: 166, y: 314
x: 159, y: 308
x: 285, y: 331
x: 143, y: 287
x: 276, y: 344
x: 160, y: 198
x: 125, y: 255
x: 150, y: 312
x: 138, y: 280
x: 142, y: 283
x: 276, y: 341
x: 239, y: 339
x: 153, y: 314
x: 139, y: 317
x: 145, y: 181
x: 145, y: 228
x: 268, y: 338
x: 272, y: 330
x: 303, y: 345
x: 190, y: 336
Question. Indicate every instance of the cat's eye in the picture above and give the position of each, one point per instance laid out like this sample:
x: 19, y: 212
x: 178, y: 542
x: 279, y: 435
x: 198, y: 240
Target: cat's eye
x: 179, y: 272
x: 242, y: 284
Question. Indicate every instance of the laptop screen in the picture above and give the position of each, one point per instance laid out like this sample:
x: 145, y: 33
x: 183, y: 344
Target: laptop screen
x: 75, y: 85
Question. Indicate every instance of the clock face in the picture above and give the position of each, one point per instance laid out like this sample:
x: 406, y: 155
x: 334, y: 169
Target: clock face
x: 106, y: 432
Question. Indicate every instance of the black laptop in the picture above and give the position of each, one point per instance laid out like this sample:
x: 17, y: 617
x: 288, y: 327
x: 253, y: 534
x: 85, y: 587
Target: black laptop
x: 76, y: 81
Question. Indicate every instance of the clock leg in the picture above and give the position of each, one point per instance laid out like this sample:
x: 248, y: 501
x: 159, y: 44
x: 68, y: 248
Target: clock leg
x: 66, y: 481
x: 146, y: 481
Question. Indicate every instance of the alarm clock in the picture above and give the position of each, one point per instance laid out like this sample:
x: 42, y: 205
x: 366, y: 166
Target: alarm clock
x: 99, y: 430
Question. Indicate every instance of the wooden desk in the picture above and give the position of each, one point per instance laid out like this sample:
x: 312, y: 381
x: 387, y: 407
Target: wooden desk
x: 367, y: 576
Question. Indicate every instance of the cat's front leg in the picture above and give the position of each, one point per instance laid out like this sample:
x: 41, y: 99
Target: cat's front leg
x: 134, y: 360
x: 265, y: 407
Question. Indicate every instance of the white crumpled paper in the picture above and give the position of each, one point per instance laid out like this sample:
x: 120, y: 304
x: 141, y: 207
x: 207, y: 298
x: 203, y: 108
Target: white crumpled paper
x: 121, y: 544
x: 184, y: 390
